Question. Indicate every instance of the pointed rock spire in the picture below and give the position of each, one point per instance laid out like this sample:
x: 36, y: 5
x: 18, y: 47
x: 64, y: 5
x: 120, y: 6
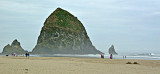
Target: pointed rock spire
x: 112, y: 50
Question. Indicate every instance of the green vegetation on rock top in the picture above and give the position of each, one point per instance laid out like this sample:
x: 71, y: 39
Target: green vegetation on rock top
x: 63, y: 19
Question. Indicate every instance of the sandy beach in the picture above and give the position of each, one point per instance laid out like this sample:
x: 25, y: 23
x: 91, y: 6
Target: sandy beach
x: 70, y: 65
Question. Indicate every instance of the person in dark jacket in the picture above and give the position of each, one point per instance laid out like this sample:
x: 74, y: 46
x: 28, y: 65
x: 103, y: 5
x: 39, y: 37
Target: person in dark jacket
x: 111, y: 56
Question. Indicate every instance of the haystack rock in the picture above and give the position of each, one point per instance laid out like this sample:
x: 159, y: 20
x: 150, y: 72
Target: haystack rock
x: 15, y: 47
x: 112, y: 50
x: 63, y: 33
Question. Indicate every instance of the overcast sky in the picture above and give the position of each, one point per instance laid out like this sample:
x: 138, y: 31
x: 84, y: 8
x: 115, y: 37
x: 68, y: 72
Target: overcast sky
x: 130, y: 25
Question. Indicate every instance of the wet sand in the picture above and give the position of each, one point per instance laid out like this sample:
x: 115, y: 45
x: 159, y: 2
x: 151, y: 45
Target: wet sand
x: 70, y: 65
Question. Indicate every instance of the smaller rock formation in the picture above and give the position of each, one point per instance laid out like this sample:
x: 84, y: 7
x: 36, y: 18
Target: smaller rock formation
x: 112, y: 50
x: 15, y: 47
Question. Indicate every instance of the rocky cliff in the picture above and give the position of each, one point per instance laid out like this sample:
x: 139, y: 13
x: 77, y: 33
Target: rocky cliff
x: 112, y: 50
x: 63, y: 33
x: 14, y: 47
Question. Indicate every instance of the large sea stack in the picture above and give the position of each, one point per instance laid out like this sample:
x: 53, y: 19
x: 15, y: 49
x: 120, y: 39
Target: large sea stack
x: 15, y: 47
x: 63, y: 33
x: 112, y: 50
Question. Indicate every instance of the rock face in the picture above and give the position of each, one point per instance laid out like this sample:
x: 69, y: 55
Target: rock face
x: 63, y: 33
x: 112, y: 50
x: 14, y: 47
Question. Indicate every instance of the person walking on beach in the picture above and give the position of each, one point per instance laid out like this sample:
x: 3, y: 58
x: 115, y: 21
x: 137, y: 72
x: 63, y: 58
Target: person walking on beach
x: 124, y: 57
x: 102, y: 56
x: 26, y: 54
x: 111, y: 56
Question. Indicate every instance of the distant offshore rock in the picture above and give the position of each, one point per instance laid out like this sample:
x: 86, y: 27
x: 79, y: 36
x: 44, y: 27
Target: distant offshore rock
x: 112, y: 50
x: 63, y: 33
x: 15, y: 47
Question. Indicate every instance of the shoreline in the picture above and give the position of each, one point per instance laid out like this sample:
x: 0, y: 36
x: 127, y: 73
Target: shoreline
x: 136, y: 57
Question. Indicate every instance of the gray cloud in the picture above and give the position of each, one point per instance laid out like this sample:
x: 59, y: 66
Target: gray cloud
x: 129, y: 25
